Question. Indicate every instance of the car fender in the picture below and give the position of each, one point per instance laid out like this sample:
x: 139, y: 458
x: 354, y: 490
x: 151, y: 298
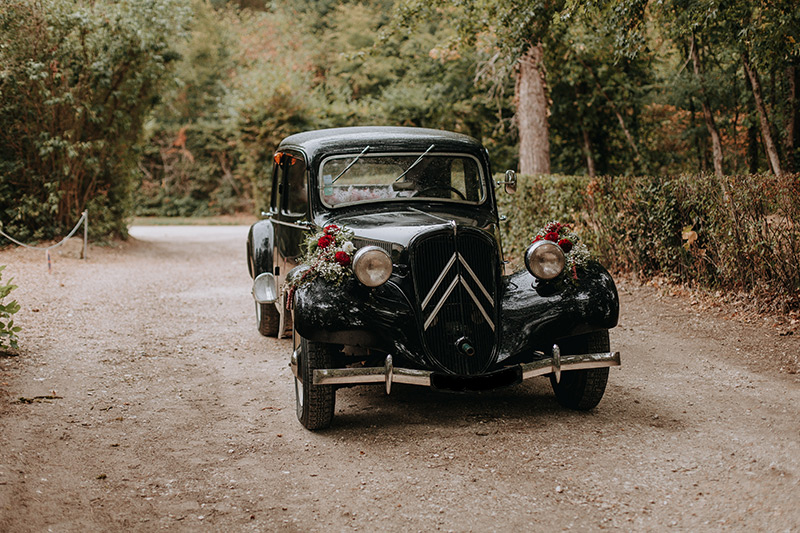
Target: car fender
x: 260, y: 247
x: 535, y: 315
x: 352, y: 314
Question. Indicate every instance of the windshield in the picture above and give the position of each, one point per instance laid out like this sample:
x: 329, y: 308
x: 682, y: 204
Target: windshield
x: 400, y: 177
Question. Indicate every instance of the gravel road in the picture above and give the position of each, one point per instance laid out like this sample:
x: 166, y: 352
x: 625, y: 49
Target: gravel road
x: 143, y: 398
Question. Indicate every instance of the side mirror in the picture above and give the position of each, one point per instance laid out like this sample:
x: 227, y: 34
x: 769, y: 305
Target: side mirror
x: 510, y: 183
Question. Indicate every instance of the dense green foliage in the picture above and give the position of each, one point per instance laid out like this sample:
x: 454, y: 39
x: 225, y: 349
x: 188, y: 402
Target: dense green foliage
x: 623, y: 89
x: 251, y: 77
x: 624, y: 98
x: 681, y: 227
x: 77, y: 81
x: 8, y: 331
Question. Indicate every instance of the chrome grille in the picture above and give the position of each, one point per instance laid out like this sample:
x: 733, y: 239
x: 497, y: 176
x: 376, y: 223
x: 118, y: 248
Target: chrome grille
x: 358, y: 242
x: 455, y: 280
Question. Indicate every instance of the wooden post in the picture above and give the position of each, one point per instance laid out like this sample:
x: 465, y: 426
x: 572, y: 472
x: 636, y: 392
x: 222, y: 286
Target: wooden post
x: 85, y: 234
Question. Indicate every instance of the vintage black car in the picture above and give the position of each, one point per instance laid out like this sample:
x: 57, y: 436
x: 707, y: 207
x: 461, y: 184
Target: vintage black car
x: 417, y: 292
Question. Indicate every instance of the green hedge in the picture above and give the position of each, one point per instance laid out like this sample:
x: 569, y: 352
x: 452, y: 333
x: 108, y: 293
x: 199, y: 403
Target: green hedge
x: 731, y: 233
x: 77, y: 83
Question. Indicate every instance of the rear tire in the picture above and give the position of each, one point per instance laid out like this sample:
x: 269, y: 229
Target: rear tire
x: 267, y: 319
x: 582, y: 389
x: 315, y: 403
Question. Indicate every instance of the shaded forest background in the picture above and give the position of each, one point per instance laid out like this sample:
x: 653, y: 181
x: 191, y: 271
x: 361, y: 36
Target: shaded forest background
x: 624, y: 96
x: 174, y: 107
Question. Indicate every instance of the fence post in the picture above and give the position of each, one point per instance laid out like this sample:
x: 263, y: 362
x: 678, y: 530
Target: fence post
x: 85, y: 233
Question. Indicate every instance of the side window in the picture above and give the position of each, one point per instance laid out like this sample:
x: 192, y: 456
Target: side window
x: 273, y: 202
x: 296, y: 192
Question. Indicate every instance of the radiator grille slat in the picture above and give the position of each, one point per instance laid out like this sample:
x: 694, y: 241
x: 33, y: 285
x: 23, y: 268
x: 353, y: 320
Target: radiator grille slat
x: 464, y: 311
x: 358, y: 242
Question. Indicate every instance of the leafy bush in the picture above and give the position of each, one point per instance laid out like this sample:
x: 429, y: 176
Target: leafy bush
x: 538, y: 200
x: 77, y: 82
x: 733, y: 233
x: 8, y: 331
x: 245, y: 82
x: 748, y: 232
x: 636, y: 223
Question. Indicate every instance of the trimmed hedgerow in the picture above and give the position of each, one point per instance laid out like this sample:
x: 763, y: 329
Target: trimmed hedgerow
x: 734, y: 233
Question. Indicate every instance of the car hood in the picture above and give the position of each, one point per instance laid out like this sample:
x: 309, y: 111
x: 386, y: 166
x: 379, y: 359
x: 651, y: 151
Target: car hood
x: 401, y: 225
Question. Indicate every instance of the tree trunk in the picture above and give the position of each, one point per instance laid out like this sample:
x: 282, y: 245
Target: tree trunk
x: 716, y: 142
x: 792, y: 122
x: 532, y: 111
x: 752, y: 149
x: 763, y: 117
x: 587, y: 152
x: 586, y: 139
x: 700, y: 150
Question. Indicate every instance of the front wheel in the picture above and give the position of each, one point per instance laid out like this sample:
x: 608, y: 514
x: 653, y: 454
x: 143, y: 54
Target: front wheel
x: 315, y: 403
x: 582, y: 389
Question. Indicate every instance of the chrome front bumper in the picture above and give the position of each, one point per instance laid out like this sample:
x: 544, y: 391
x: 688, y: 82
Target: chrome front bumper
x: 389, y: 374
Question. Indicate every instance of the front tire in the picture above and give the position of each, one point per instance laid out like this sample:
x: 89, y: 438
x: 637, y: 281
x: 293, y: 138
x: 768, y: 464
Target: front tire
x: 315, y: 403
x: 582, y: 389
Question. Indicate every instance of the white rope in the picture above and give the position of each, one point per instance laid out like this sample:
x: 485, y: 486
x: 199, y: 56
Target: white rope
x: 62, y: 241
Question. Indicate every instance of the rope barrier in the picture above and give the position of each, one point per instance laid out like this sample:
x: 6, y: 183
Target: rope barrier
x: 84, y: 219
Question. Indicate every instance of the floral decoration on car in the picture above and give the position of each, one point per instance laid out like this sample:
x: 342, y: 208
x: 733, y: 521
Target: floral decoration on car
x: 576, y: 253
x: 328, y: 255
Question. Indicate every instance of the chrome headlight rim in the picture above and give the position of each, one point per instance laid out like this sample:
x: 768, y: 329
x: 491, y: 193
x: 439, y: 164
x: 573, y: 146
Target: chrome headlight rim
x: 372, y: 266
x: 545, y: 260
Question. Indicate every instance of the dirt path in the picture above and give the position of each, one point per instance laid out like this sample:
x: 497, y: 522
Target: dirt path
x: 171, y: 412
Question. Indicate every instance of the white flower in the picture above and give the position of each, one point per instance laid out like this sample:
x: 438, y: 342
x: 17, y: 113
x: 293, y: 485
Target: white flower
x: 348, y: 247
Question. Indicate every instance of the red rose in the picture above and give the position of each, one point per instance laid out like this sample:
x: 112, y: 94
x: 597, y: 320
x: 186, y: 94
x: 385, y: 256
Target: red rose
x: 537, y: 239
x: 565, y: 245
x: 325, y: 241
x: 342, y: 258
x: 331, y: 229
x: 551, y: 236
x: 555, y: 227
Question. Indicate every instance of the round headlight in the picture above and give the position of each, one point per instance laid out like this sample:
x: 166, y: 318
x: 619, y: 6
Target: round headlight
x: 372, y: 266
x: 545, y: 259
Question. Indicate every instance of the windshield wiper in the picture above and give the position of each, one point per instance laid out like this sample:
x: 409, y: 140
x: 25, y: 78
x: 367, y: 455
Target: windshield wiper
x: 440, y: 219
x: 353, y: 162
x: 415, y: 163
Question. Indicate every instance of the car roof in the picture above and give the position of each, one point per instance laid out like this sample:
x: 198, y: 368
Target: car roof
x: 319, y: 143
